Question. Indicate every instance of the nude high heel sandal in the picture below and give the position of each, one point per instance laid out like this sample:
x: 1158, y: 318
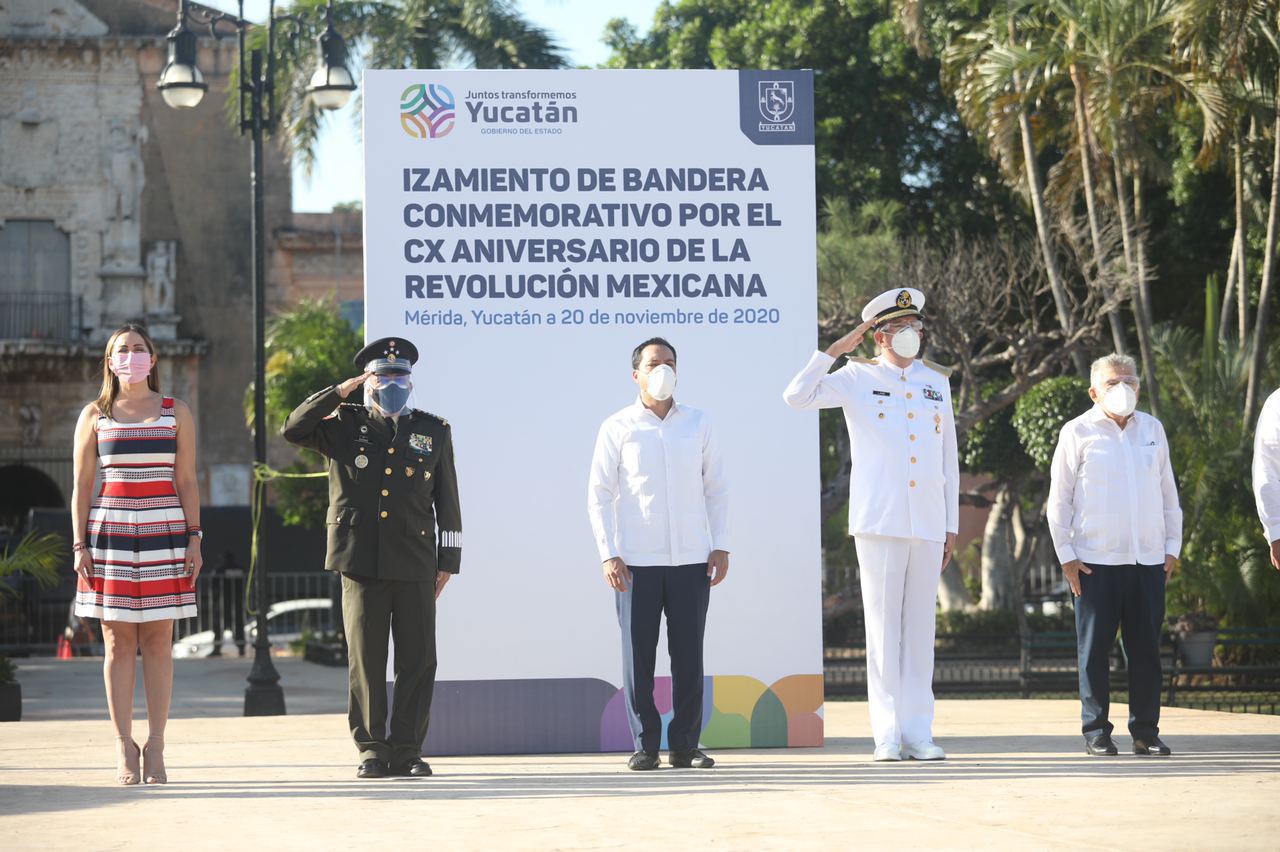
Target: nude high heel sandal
x: 154, y: 753
x: 127, y: 770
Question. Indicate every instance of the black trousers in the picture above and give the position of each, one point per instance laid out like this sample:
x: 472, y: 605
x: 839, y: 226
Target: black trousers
x: 683, y: 593
x: 1130, y: 598
x: 372, y: 610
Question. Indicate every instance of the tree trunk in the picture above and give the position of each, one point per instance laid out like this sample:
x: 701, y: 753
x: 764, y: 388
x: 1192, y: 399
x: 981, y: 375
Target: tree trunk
x: 998, y: 570
x: 952, y: 593
x: 1258, y: 356
x: 1035, y: 187
x: 1147, y: 321
x: 1141, y: 315
x: 1242, y: 232
x: 1085, y: 141
x: 1229, y: 294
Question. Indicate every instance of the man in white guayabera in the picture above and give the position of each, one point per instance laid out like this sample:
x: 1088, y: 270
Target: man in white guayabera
x: 1117, y: 528
x: 659, y: 507
x: 904, y: 506
x: 1266, y: 473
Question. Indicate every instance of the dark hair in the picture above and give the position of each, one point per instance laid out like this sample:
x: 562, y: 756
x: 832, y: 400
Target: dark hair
x: 652, y: 341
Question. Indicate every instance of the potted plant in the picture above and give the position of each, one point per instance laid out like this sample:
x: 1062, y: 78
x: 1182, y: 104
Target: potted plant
x: 37, y: 555
x: 1196, y: 634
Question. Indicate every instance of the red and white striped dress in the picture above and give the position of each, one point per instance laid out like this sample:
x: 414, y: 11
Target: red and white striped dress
x: 137, y: 532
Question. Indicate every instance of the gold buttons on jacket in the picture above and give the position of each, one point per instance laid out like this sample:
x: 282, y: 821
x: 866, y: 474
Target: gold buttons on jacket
x: 385, y: 492
x: 913, y: 485
x: 913, y: 459
x: 391, y: 451
x: 426, y: 475
x: 908, y: 394
x: 913, y: 437
x: 387, y: 471
x: 383, y: 513
x: 911, y: 415
x: 882, y: 415
x: 904, y: 378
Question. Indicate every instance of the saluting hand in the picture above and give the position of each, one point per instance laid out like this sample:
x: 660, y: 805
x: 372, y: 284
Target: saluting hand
x: 617, y: 574
x: 850, y: 341
x: 351, y: 384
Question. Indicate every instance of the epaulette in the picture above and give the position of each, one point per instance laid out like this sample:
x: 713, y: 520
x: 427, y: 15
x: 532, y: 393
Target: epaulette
x: 857, y: 360
x: 443, y: 422
x: 938, y: 368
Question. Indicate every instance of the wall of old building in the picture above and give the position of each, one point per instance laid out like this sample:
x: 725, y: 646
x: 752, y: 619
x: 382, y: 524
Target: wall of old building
x: 156, y: 206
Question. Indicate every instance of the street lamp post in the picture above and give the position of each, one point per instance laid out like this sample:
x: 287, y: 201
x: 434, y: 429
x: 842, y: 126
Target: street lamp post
x: 182, y: 86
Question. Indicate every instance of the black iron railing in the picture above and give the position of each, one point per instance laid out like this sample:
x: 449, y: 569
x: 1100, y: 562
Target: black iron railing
x: 41, y: 316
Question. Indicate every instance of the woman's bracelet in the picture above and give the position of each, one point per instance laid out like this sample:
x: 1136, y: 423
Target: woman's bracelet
x: 77, y: 547
x: 195, y: 532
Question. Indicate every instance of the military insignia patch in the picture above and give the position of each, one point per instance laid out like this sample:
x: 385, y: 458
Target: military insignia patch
x: 932, y: 395
x: 904, y: 299
x: 421, y: 443
x: 362, y: 462
x: 409, y: 471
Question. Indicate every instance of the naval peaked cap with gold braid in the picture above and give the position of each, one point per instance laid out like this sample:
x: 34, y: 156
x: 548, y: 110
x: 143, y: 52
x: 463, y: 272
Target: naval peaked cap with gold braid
x: 894, y: 304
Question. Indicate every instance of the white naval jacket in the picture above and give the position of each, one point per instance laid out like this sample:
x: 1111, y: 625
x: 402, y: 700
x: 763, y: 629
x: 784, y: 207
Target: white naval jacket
x: 905, y: 481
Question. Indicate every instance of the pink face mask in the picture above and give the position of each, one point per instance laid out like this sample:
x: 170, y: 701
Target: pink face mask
x: 131, y: 367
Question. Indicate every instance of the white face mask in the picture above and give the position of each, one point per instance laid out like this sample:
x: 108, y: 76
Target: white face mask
x: 1120, y: 400
x: 906, y: 343
x: 661, y: 382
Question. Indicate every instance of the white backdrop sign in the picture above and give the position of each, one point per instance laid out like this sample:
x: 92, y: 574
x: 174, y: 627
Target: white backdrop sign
x: 526, y: 229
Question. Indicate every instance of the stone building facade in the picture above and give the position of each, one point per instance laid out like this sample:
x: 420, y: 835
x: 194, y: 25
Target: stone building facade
x: 115, y: 207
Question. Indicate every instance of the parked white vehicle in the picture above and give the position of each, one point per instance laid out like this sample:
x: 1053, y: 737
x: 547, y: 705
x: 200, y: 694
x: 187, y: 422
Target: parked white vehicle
x: 286, y: 620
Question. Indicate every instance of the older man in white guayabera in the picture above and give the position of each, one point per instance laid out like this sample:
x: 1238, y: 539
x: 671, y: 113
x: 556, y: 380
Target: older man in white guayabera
x: 1117, y: 528
x: 1266, y: 473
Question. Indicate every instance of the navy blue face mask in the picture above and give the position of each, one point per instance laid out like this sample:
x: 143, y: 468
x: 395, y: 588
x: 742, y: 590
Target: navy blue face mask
x: 393, y: 395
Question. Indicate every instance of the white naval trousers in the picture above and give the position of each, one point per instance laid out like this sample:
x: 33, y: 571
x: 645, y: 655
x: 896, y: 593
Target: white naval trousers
x: 899, y: 600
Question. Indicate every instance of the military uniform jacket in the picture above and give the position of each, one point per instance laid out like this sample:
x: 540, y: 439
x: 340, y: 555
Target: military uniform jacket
x: 393, y: 500
x: 905, y: 480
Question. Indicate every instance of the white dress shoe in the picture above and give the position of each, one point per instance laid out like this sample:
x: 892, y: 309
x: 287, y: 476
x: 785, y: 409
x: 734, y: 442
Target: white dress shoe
x: 886, y: 752
x: 923, y: 751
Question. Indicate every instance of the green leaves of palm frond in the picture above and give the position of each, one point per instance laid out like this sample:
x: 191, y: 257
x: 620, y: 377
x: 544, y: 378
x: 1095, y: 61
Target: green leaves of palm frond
x: 36, y: 555
x: 394, y: 34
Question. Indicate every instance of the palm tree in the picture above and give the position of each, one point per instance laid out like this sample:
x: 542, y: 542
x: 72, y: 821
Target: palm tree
x: 401, y: 34
x: 983, y: 72
x: 1125, y: 49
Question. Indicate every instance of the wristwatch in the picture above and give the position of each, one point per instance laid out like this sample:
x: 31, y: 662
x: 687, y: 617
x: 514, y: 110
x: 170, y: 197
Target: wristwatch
x: 198, y: 533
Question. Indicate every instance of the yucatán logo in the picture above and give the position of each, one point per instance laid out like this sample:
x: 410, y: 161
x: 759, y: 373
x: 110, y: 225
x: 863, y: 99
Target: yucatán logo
x: 777, y: 104
x: 427, y: 111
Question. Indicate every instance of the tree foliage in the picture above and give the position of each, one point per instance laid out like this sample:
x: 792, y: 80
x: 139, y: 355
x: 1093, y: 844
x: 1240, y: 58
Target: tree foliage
x: 1039, y: 416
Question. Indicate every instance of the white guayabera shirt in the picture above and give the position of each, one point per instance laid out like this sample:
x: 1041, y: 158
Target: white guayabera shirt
x: 1266, y: 466
x: 657, y: 492
x: 1112, y: 497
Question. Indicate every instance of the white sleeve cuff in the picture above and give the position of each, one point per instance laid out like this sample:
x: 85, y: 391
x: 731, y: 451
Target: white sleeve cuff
x: 1173, y: 547
x: 1066, y: 554
x: 1273, y: 533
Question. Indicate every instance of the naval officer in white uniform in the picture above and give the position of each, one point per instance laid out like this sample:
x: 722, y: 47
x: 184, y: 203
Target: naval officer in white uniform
x: 904, y: 507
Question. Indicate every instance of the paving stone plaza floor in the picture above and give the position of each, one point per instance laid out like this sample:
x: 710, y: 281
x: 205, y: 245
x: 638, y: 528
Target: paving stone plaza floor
x: 1017, y: 778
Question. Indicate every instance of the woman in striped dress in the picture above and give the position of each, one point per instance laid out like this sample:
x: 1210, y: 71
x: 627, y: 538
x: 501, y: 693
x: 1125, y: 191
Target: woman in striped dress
x: 137, y: 542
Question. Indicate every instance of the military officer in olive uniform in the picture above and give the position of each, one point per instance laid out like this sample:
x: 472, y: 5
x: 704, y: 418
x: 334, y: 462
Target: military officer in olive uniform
x: 395, y: 536
x: 904, y: 506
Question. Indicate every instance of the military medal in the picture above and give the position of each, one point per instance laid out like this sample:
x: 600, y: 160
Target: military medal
x: 421, y: 443
x: 408, y: 471
x: 362, y: 462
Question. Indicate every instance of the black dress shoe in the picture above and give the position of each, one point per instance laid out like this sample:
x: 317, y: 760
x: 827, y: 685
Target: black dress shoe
x: 690, y: 759
x: 643, y: 760
x: 372, y: 768
x: 416, y: 768
x: 1151, y: 746
x: 1100, y: 746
